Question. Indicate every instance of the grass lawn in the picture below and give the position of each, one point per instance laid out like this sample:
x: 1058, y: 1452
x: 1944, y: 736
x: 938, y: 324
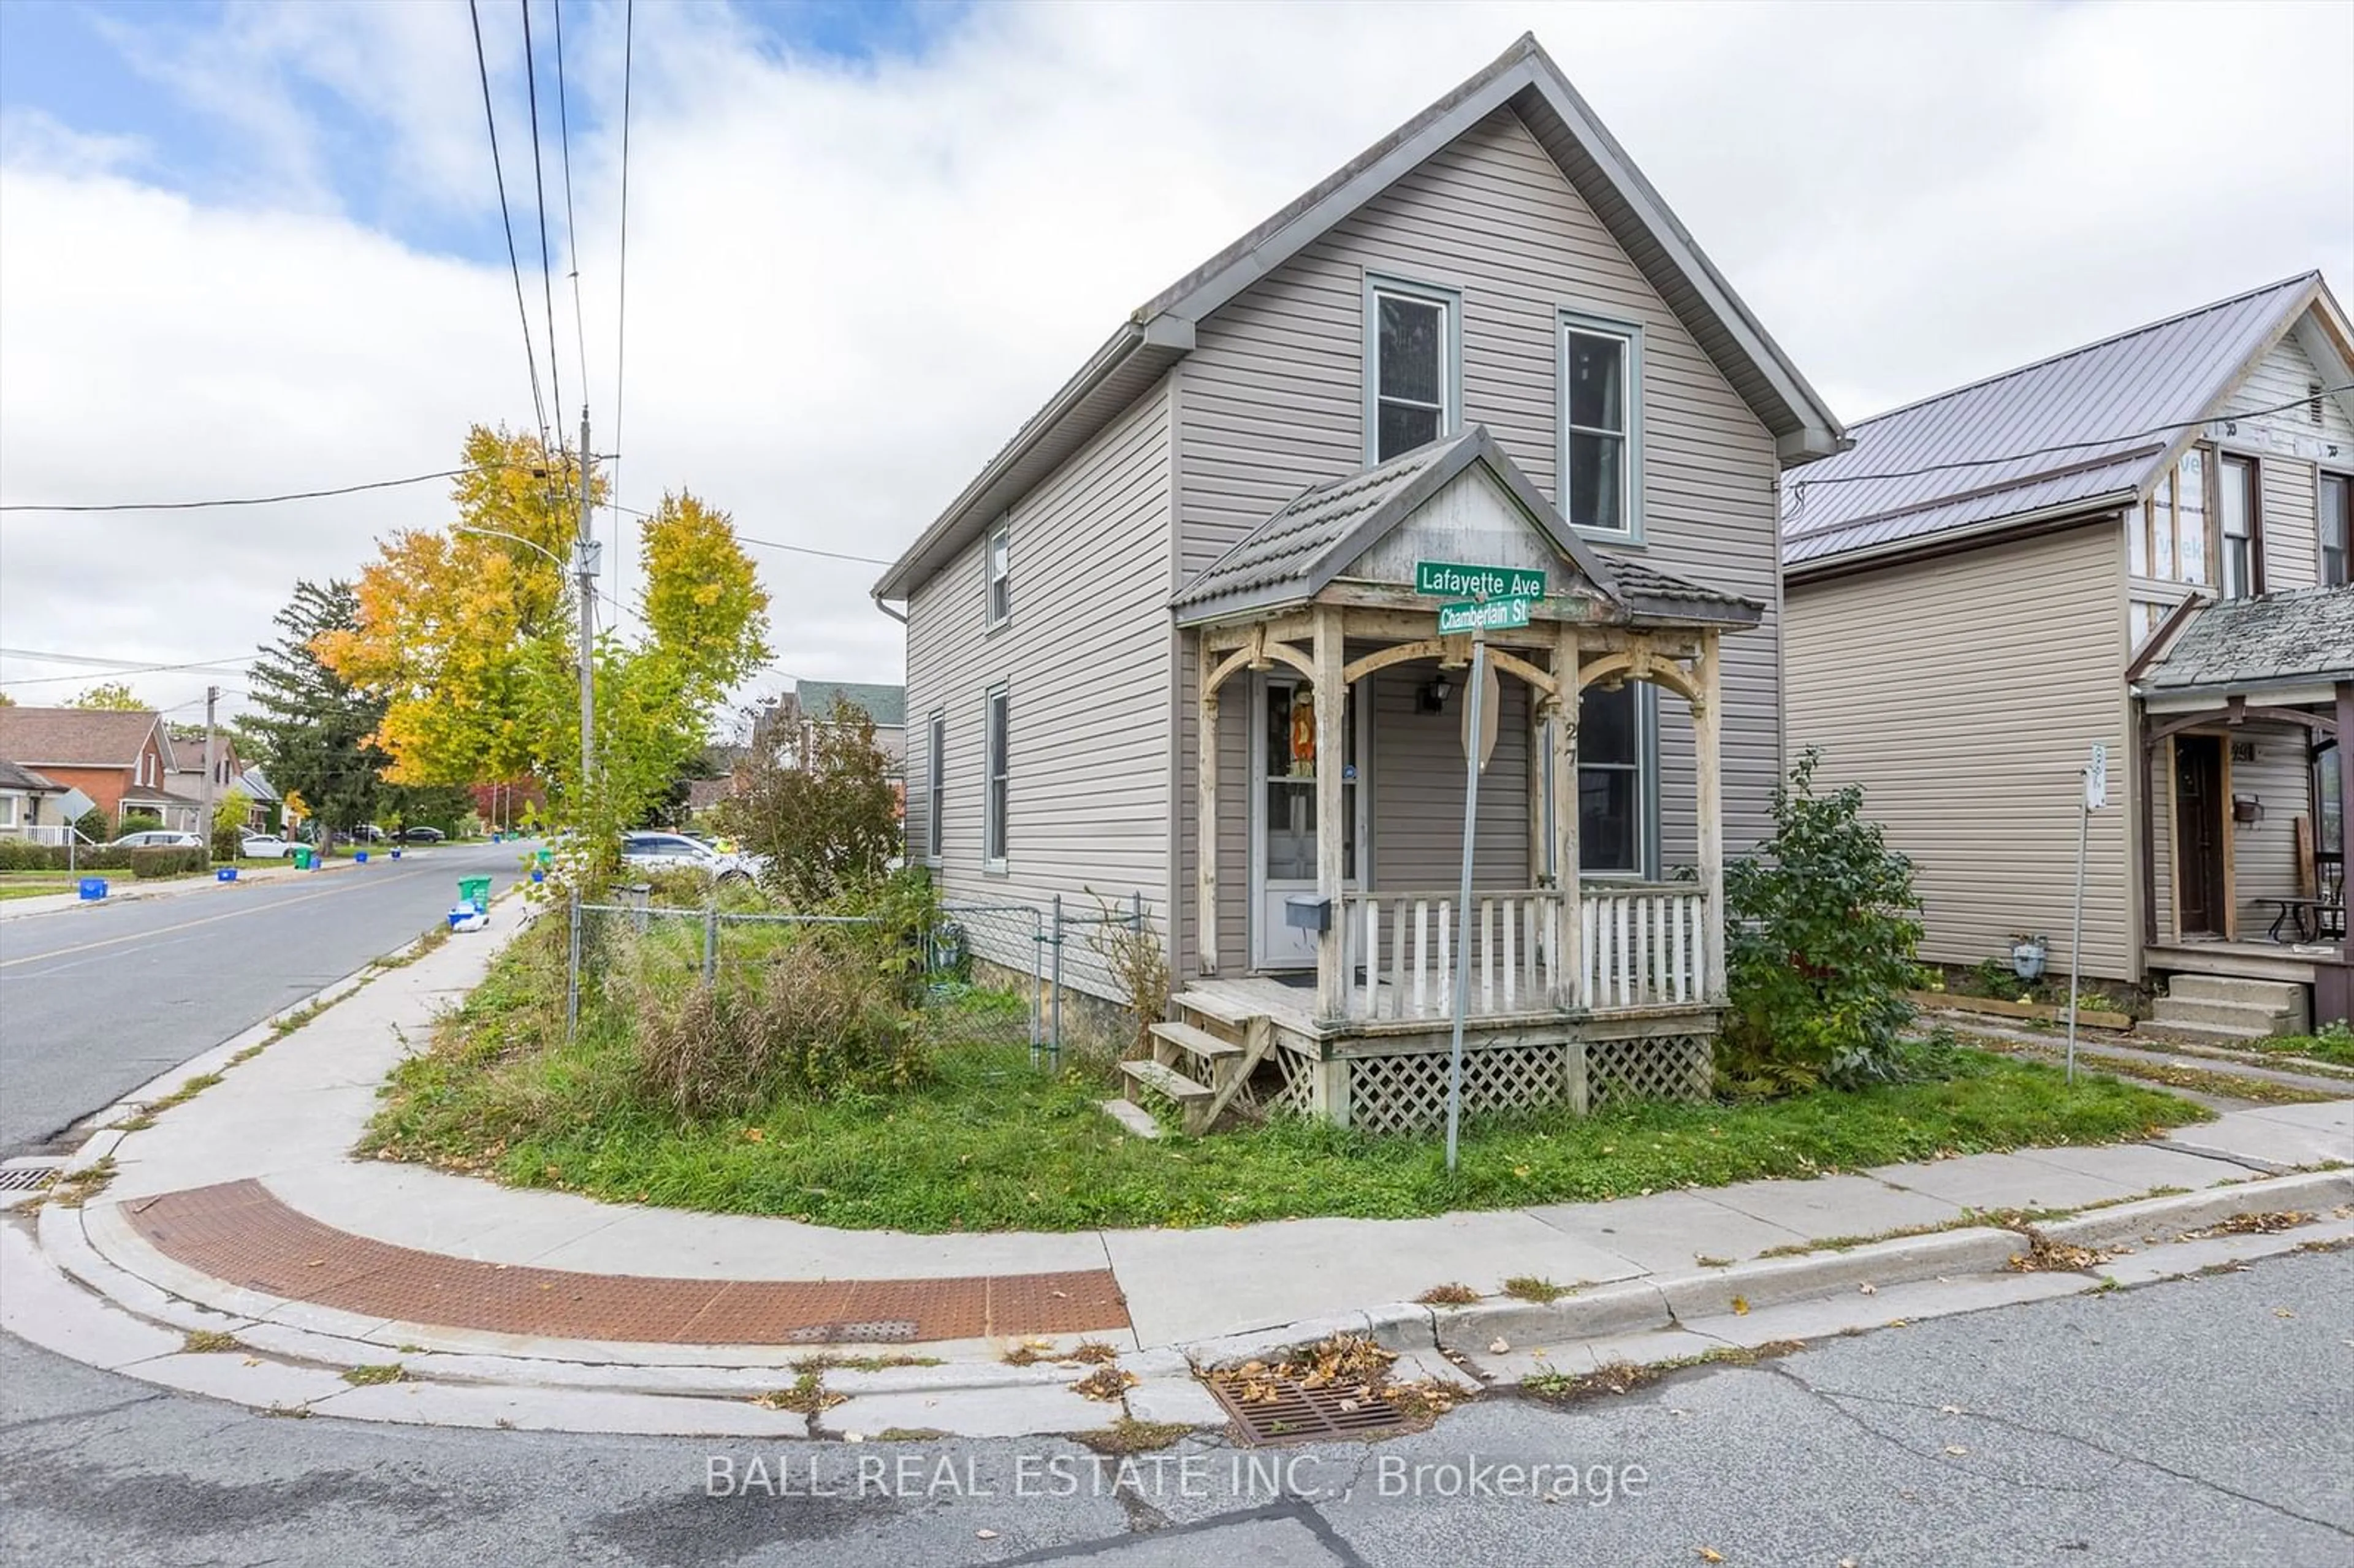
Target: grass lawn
x: 31, y: 885
x: 2336, y: 1048
x: 990, y: 1144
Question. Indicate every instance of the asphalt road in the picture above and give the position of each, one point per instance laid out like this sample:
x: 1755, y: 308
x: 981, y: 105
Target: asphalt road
x: 2203, y: 1421
x: 97, y: 1000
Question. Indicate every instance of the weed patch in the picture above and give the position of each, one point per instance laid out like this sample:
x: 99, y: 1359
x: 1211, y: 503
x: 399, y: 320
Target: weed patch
x: 1448, y: 1296
x: 381, y: 1373
x: 209, y: 1342
x: 1107, y: 1384
x: 1129, y: 1436
x: 1529, y: 1287
x: 807, y: 1396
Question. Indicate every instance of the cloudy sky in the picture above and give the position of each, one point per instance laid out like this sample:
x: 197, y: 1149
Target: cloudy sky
x: 254, y: 247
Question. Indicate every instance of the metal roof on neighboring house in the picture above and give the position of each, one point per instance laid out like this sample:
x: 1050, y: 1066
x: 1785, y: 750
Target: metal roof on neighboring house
x: 2301, y: 635
x: 78, y: 737
x: 257, y: 785
x: 1159, y: 332
x: 886, y: 705
x: 2083, y: 428
x: 1312, y: 539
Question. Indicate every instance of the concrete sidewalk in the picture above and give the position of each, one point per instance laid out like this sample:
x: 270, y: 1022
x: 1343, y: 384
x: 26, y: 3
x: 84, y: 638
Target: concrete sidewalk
x: 241, y: 1211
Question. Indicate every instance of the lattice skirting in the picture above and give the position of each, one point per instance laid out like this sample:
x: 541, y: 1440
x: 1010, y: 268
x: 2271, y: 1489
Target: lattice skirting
x: 1298, y: 1096
x: 1407, y: 1093
x: 1666, y: 1067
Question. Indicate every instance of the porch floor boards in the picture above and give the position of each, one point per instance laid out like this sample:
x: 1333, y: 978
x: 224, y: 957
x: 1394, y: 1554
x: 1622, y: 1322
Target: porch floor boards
x: 1292, y: 1008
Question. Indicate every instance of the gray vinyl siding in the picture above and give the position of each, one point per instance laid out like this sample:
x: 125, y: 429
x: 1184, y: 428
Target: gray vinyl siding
x: 2283, y: 445
x: 1085, y: 658
x: 1417, y: 779
x: 1963, y: 693
x: 1272, y: 402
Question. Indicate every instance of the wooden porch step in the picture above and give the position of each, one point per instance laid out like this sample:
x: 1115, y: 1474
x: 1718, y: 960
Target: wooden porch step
x: 1195, y: 1042
x: 1209, y: 1004
x: 1165, y: 1081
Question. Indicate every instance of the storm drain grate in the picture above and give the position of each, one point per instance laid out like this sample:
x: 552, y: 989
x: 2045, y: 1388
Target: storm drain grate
x: 1298, y: 1414
x: 894, y: 1332
x: 24, y: 1178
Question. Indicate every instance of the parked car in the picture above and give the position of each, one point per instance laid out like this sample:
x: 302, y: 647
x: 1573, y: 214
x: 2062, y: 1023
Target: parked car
x: 676, y: 852
x: 264, y: 846
x: 423, y: 836
x: 160, y: 838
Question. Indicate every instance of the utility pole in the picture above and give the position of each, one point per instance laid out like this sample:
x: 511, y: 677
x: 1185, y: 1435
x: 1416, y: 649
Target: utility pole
x: 205, y: 818
x: 586, y: 564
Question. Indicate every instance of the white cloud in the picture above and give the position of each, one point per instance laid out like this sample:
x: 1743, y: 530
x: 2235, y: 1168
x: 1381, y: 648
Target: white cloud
x: 848, y: 285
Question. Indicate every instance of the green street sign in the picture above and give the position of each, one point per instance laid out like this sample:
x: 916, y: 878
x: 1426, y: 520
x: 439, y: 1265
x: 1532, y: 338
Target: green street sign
x: 1453, y: 579
x: 1506, y: 614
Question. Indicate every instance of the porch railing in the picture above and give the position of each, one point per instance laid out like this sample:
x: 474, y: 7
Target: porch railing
x: 1639, y: 946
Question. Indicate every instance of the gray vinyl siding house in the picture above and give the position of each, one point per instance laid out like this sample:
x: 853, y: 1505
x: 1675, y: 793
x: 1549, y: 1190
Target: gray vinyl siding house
x: 1997, y: 579
x: 1249, y: 382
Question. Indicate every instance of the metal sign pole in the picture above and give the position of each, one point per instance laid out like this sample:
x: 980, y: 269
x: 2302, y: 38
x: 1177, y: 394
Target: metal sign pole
x: 1475, y: 695
x: 2095, y: 795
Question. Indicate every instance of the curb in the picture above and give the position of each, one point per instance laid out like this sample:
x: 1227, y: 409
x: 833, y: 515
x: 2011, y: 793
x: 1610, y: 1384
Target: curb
x: 2157, y: 1220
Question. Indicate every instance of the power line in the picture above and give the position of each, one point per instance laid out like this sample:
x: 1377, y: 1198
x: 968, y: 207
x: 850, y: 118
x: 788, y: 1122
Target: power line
x: 134, y: 669
x: 268, y: 500
x: 540, y: 190
x: 1803, y: 481
x: 571, y: 227
x: 115, y: 665
x: 622, y: 309
x: 507, y: 223
x: 778, y: 544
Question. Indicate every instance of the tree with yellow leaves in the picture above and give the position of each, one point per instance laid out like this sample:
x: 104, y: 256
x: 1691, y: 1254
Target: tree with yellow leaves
x: 470, y: 636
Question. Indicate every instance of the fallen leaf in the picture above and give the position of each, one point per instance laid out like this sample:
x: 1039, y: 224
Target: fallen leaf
x: 1708, y: 1555
x: 1741, y: 1306
x: 1949, y: 1410
x: 1956, y: 1449
x: 1868, y: 1289
x: 984, y: 1535
x: 2283, y: 1312
x: 754, y: 1135
x: 853, y: 1436
x: 1498, y: 1346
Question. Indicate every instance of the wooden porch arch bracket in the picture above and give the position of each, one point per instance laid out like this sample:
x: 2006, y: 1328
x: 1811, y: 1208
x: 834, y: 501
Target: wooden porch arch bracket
x: 2314, y: 724
x: 1434, y: 648
x: 1255, y: 654
x: 1642, y: 664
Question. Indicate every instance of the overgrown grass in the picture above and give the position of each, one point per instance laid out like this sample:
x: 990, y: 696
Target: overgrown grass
x: 988, y: 1143
x: 2337, y: 1047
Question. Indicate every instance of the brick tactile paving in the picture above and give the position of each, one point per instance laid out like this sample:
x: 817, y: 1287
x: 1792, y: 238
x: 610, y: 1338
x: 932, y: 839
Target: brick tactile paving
x: 241, y: 1232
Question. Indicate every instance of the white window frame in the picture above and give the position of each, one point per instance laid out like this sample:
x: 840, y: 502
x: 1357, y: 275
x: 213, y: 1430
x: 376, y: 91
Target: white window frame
x: 936, y: 763
x: 1630, y: 334
x: 2220, y: 465
x: 997, y: 779
x: 2321, y: 525
x: 8, y: 811
x: 1450, y: 370
x: 991, y: 579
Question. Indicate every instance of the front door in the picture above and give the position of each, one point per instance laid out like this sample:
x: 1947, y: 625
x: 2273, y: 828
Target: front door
x: 2199, y: 843
x: 1285, y: 755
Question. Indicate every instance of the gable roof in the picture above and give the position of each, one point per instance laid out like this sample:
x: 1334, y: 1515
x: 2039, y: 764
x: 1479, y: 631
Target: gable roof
x: 1298, y: 552
x: 1160, y: 331
x: 2080, y: 430
x: 25, y: 781
x: 78, y: 737
x: 2300, y: 636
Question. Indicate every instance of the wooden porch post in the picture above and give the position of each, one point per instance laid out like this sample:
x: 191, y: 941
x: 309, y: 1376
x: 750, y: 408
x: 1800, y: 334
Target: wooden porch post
x: 1331, y: 717
x: 1708, y: 775
x: 1206, y: 816
x: 1570, y: 990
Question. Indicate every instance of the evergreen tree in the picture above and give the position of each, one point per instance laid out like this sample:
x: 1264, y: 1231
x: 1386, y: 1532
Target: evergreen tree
x: 319, y: 730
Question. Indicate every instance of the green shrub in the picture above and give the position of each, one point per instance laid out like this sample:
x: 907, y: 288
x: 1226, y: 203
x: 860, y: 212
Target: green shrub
x: 138, y: 822
x: 91, y: 825
x: 1822, y: 924
x: 227, y: 841
x: 818, y: 1023
x: 22, y: 854
x: 153, y: 862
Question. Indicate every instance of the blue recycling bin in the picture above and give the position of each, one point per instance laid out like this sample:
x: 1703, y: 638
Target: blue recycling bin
x: 226, y: 874
x: 93, y: 888
x: 359, y: 857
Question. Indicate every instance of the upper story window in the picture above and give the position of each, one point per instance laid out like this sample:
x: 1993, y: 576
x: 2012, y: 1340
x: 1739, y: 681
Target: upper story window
x: 2170, y: 542
x: 2238, y: 526
x: 2337, y: 524
x: 998, y: 568
x: 1601, y: 374
x: 1414, y: 366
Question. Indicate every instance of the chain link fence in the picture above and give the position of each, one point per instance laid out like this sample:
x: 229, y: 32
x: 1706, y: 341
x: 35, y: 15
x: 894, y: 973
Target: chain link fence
x: 980, y: 972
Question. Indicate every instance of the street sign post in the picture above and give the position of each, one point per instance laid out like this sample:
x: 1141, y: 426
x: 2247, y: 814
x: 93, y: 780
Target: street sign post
x: 2096, y: 795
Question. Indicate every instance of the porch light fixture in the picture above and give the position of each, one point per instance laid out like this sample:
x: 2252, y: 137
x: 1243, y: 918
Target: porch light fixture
x: 1432, y: 698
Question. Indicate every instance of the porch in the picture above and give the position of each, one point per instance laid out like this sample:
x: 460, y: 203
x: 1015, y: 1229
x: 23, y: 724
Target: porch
x: 1331, y: 990
x: 2244, y: 708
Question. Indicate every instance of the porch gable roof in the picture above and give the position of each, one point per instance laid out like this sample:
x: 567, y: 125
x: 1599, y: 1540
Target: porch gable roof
x: 1295, y: 554
x: 2300, y: 637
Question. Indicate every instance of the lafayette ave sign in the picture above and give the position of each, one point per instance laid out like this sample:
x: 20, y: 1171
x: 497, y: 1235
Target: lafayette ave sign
x: 1453, y: 579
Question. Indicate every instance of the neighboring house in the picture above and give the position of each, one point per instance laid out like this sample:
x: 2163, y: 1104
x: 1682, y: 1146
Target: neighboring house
x: 1167, y: 646
x: 263, y: 814
x: 188, y: 778
x: 23, y: 795
x: 805, y: 707
x: 2156, y: 571
x: 122, y: 760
